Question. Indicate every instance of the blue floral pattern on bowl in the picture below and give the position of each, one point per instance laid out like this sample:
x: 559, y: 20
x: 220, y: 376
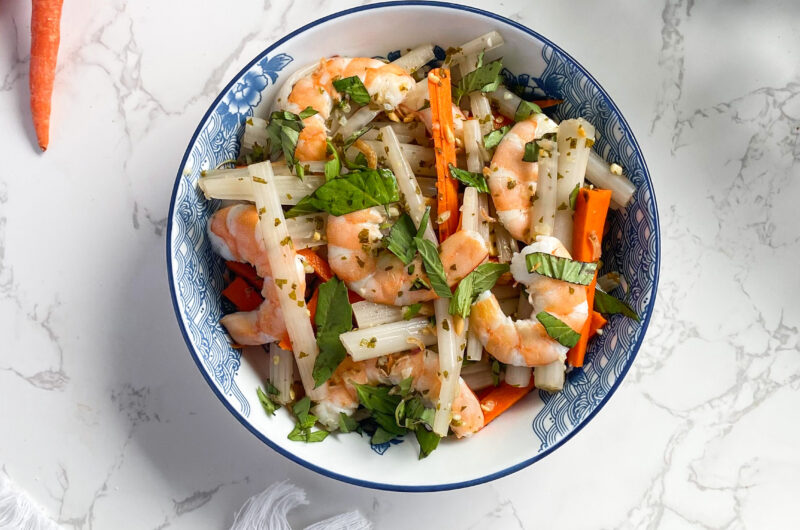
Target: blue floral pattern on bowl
x: 631, y: 248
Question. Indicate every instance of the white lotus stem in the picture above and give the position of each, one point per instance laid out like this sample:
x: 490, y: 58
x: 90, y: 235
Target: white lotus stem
x: 519, y: 376
x: 484, y: 43
x: 416, y: 97
x: 543, y: 211
x: 549, y: 377
x: 384, y: 339
x: 358, y: 121
x: 599, y: 173
x: 283, y: 263
x: 281, y: 372
x: 575, y: 140
x: 416, y: 58
x: 234, y: 184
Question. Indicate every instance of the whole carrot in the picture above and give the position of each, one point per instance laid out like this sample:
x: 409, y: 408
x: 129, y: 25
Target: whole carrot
x: 45, y: 36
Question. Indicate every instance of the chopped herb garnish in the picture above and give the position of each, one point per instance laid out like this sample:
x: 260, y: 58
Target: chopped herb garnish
x: 353, y: 87
x: 531, y: 152
x: 269, y: 406
x: 283, y: 131
x: 411, y: 311
x: 333, y: 167
x: 355, y: 191
x: 481, y: 279
x: 611, y: 305
x: 573, y: 196
x: 400, y: 240
x: 433, y: 267
x: 525, y: 110
x: 334, y: 316
x: 491, y: 140
x: 558, y: 268
x: 476, y: 180
x: 485, y: 78
x: 305, y: 421
x: 558, y: 329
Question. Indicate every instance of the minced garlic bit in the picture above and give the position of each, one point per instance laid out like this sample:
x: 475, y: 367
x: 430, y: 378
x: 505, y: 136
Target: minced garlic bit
x: 581, y: 131
x: 616, y: 169
x: 416, y: 342
x: 276, y: 360
x: 443, y: 217
x: 317, y: 236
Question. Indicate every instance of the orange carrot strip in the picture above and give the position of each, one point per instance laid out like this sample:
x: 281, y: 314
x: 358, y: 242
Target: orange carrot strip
x: 596, y: 322
x: 320, y: 266
x: 500, y: 399
x: 444, y: 141
x: 591, y: 208
x: 242, y: 294
x: 544, y: 103
x: 45, y: 37
x: 246, y: 271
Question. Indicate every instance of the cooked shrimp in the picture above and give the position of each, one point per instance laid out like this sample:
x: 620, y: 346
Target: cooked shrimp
x: 232, y: 232
x: 387, y: 85
x: 422, y: 367
x: 525, y: 342
x: 512, y: 181
x: 357, y: 258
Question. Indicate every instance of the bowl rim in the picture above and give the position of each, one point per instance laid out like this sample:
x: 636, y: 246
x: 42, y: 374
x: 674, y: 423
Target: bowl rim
x: 354, y: 480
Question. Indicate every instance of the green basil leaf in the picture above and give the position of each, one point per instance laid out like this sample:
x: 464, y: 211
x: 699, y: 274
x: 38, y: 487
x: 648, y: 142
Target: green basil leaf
x: 350, y: 140
x: 316, y: 436
x: 377, y: 398
x: 272, y: 390
x: 433, y: 267
x: 481, y: 279
x: 283, y: 130
x: 353, y: 87
x: 269, y: 406
x: 423, y: 223
x: 301, y: 408
x: 346, y: 423
x: 531, y: 152
x: 334, y: 316
x: 427, y: 440
x: 359, y: 162
x: 525, y: 110
x: 558, y: 329
x: 558, y: 268
x: 485, y: 78
x: 611, y: 305
x: 404, y: 386
x: 400, y: 240
x: 381, y: 436
x: 411, y: 311
x: 476, y: 180
x: 573, y: 196
x: 333, y: 167
x: 307, y: 113
x: 355, y: 191
x: 491, y: 140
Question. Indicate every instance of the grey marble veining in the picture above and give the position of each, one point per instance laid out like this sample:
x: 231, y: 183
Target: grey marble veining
x: 108, y: 424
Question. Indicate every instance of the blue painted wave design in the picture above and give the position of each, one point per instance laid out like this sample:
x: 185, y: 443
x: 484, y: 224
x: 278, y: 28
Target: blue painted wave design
x: 630, y: 248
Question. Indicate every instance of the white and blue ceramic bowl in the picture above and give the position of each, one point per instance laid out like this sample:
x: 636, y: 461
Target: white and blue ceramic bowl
x: 530, y: 430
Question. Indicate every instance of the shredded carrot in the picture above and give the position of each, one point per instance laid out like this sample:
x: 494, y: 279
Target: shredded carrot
x: 500, y: 398
x: 45, y: 37
x: 243, y: 295
x: 246, y: 271
x: 591, y: 208
x: 444, y: 141
x: 320, y: 266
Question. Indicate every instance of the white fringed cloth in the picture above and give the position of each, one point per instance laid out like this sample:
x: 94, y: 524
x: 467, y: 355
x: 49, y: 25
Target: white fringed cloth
x: 266, y: 511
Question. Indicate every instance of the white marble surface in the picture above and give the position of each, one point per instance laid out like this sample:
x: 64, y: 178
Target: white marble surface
x: 108, y: 424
